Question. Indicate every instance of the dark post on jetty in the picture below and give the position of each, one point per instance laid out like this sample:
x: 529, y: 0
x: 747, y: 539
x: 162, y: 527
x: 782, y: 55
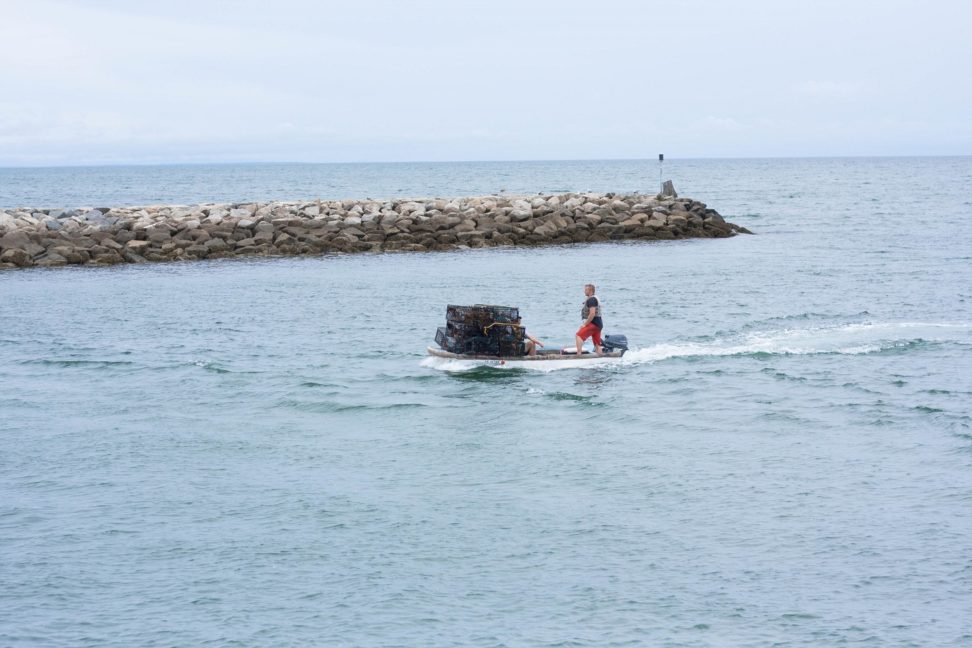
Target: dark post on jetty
x: 661, y: 159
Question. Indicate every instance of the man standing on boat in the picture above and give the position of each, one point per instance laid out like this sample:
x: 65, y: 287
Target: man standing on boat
x: 591, y: 314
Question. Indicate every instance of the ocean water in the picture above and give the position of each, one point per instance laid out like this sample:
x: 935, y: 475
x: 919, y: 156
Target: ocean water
x: 194, y: 184
x: 260, y: 452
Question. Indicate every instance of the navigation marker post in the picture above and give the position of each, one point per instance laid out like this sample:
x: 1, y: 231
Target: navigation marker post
x: 661, y: 158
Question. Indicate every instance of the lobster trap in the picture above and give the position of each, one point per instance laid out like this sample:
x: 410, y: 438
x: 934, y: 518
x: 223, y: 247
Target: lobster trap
x: 482, y: 329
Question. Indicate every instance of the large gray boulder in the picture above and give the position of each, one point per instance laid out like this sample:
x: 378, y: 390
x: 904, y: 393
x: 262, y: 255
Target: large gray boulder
x: 16, y: 256
x: 138, y: 247
x: 7, y: 221
x: 50, y: 260
x: 15, y: 239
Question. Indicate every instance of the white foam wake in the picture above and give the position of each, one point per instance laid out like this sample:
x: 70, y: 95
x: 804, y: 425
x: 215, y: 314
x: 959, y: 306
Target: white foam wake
x: 845, y: 339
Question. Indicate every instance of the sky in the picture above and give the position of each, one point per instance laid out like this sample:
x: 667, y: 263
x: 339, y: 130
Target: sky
x: 203, y: 81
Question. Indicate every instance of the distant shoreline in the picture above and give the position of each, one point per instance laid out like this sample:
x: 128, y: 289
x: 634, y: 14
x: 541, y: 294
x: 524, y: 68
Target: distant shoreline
x: 110, y: 236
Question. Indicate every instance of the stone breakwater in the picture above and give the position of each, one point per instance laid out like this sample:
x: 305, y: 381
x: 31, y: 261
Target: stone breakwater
x: 106, y: 236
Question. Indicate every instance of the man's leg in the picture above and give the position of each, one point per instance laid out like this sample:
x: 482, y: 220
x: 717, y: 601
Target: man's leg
x: 582, y: 334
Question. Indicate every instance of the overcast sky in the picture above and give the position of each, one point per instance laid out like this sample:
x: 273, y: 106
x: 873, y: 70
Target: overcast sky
x: 118, y: 81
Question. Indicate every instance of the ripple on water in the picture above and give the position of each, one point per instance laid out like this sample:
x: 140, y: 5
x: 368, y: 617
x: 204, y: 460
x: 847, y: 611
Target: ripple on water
x: 324, y: 407
x: 77, y: 363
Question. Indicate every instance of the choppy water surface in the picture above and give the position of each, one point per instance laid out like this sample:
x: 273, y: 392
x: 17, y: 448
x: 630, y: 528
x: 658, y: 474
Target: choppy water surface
x: 260, y: 453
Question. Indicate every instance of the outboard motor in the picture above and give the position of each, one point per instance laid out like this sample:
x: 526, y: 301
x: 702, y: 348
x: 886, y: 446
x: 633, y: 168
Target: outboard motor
x: 615, y: 342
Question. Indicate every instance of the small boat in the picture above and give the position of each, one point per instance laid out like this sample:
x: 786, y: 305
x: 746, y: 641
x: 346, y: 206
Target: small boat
x: 494, y: 333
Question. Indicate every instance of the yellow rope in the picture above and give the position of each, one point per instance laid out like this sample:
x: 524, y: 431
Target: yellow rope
x: 486, y: 328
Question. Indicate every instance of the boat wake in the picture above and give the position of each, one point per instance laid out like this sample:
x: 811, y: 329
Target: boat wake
x: 842, y: 339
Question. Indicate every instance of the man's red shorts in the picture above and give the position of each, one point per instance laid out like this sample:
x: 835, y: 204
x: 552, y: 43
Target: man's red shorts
x: 590, y: 331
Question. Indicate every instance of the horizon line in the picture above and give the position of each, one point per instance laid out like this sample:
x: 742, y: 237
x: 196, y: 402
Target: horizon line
x: 482, y: 161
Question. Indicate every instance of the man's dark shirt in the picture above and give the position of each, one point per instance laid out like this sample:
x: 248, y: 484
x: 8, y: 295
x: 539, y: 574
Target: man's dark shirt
x: 589, y: 304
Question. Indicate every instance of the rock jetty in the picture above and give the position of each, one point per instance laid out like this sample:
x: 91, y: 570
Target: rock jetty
x: 106, y: 236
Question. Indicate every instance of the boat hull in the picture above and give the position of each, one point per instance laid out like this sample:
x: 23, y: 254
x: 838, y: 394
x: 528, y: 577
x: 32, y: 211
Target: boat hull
x: 542, y: 356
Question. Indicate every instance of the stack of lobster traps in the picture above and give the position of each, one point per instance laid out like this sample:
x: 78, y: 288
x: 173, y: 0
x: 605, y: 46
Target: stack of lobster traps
x: 481, y: 329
